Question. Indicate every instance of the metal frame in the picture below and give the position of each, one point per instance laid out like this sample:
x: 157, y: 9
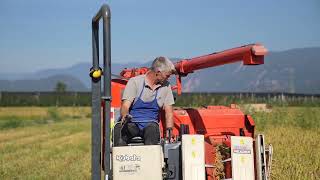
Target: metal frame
x: 261, y: 163
x: 96, y: 154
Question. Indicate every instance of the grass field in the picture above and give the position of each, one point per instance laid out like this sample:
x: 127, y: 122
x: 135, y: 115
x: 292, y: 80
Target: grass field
x: 54, y: 143
x: 294, y: 133
x: 56, y: 148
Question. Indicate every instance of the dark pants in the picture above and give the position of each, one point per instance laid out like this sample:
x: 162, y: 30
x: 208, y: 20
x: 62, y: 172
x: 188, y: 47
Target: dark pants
x: 123, y: 135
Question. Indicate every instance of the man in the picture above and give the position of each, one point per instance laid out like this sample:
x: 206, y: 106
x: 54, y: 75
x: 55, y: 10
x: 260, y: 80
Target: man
x: 144, y: 96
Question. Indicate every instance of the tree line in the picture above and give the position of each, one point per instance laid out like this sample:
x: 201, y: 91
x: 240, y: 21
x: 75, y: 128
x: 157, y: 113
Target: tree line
x: 63, y: 98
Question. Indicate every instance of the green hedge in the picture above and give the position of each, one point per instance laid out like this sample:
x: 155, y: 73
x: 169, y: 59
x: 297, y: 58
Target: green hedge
x: 45, y: 99
x: 273, y: 99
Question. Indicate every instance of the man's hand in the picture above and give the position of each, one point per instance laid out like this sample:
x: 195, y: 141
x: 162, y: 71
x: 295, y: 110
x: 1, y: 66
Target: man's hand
x: 125, y: 119
x: 170, y: 135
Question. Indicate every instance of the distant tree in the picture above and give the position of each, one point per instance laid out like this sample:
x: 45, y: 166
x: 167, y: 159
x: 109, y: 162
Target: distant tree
x: 60, y: 87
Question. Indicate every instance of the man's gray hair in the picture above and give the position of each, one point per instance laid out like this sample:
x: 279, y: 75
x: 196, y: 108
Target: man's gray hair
x: 162, y: 64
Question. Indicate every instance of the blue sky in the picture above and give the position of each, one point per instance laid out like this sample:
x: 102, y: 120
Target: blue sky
x: 41, y: 34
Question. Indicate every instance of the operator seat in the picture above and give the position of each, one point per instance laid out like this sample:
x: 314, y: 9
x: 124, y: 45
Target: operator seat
x: 134, y: 141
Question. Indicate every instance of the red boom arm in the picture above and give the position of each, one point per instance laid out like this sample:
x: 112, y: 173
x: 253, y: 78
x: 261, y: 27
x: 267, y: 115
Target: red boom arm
x: 249, y: 54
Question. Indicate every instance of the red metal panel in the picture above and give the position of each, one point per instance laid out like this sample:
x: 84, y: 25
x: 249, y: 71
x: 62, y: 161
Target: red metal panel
x: 218, y: 124
x: 117, y: 87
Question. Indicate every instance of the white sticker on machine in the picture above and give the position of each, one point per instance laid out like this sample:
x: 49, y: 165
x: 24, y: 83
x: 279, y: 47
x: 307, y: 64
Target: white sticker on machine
x: 242, y: 158
x: 129, y: 169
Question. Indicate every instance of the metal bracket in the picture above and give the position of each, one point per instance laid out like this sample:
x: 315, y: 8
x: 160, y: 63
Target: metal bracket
x: 106, y: 98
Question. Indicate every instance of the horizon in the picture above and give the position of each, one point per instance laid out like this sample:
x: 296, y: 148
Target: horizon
x: 124, y: 63
x: 281, y: 72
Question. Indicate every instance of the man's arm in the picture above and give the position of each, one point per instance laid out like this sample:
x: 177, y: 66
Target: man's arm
x: 125, y: 109
x: 167, y: 106
x: 128, y: 96
x: 169, y: 116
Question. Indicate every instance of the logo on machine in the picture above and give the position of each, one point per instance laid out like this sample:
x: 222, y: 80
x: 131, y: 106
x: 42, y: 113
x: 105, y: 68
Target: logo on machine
x: 126, y: 157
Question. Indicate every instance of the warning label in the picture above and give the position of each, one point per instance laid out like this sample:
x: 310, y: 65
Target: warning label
x: 242, y: 149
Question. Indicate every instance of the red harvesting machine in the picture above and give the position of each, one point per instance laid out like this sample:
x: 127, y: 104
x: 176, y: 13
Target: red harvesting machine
x: 213, y: 142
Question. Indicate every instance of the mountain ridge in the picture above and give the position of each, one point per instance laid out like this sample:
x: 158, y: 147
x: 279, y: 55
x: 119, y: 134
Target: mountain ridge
x: 293, y: 70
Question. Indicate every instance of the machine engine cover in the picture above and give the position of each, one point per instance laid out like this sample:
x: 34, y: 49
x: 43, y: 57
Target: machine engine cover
x: 137, y: 162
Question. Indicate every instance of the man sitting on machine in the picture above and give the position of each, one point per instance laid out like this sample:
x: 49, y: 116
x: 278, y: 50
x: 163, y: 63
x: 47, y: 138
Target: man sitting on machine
x: 144, y: 96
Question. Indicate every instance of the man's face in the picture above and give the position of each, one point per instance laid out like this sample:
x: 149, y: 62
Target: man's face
x: 163, y: 76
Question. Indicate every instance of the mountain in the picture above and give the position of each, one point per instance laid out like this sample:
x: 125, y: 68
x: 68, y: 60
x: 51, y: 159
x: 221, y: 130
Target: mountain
x: 43, y: 84
x: 293, y: 71
x: 79, y: 71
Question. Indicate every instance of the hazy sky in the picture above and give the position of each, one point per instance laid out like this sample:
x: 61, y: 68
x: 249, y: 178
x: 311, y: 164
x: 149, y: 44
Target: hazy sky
x: 41, y: 34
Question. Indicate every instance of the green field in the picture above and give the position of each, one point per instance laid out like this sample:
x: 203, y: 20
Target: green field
x: 54, y: 143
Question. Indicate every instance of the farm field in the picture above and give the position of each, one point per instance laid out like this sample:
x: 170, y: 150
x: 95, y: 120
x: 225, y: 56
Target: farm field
x: 54, y: 143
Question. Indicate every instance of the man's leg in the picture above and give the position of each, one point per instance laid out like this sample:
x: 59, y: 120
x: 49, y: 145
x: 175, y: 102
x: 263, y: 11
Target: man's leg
x: 122, y: 134
x: 117, y: 140
x: 129, y: 131
x: 151, y: 134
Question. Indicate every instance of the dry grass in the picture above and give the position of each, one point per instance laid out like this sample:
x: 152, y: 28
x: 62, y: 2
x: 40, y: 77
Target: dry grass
x: 61, y: 150
x: 296, y: 152
x: 56, y: 148
x: 52, y: 151
x: 23, y: 111
x: 27, y: 112
x: 294, y: 133
x: 13, y: 117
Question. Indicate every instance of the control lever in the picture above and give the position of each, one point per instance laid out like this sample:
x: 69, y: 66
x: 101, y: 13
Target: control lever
x: 126, y: 119
x: 169, y: 133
